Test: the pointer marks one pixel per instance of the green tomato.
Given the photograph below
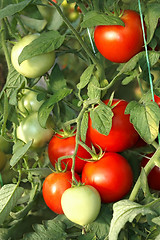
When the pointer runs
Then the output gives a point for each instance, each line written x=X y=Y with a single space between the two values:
x=30 y=129
x=5 y=146
x=81 y=204
x=2 y=160
x=46 y=12
x=28 y=102
x=35 y=66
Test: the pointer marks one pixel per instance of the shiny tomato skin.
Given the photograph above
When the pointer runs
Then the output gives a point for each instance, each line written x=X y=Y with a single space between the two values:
x=81 y=204
x=122 y=134
x=111 y=175
x=54 y=186
x=59 y=147
x=120 y=43
x=157 y=100
x=154 y=175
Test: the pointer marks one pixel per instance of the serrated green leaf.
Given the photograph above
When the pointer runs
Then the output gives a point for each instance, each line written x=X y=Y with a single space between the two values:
x=35 y=24
x=130 y=78
x=125 y=211
x=93 y=18
x=42 y=172
x=151 y=18
x=84 y=126
x=9 y=195
x=85 y=77
x=145 y=118
x=19 y=154
x=101 y=230
x=93 y=88
x=101 y=117
x=50 y=230
x=14 y=82
x=12 y=9
x=140 y=59
x=56 y=79
x=47 y=106
x=45 y=43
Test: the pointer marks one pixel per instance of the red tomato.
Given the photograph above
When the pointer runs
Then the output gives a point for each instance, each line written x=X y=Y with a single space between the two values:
x=157 y=100
x=154 y=175
x=118 y=43
x=59 y=147
x=122 y=135
x=54 y=186
x=111 y=175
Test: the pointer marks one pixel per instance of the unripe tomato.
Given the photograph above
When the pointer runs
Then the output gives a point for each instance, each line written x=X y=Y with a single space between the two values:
x=54 y=186
x=2 y=160
x=30 y=129
x=81 y=204
x=35 y=66
x=46 y=12
x=154 y=175
x=120 y=43
x=111 y=175
x=5 y=146
x=122 y=134
x=28 y=102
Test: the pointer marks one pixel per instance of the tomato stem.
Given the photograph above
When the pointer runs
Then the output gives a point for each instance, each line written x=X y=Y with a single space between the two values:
x=147 y=168
x=4 y=45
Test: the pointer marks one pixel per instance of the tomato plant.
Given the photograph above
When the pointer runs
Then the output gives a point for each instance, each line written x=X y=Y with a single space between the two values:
x=81 y=204
x=69 y=48
x=154 y=175
x=120 y=43
x=54 y=186
x=111 y=175
x=60 y=146
x=35 y=66
x=122 y=134
x=30 y=129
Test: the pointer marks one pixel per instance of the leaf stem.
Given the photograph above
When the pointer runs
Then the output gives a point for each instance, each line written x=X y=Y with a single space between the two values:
x=147 y=168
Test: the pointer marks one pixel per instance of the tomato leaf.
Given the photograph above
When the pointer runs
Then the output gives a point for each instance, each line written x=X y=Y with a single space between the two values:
x=16 y=157
x=101 y=117
x=140 y=58
x=52 y=229
x=14 y=82
x=145 y=118
x=9 y=195
x=151 y=19
x=56 y=79
x=35 y=24
x=12 y=9
x=48 y=105
x=93 y=18
x=84 y=126
x=45 y=43
x=96 y=227
x=85 y=77
x=93 y=88
x=125 y=211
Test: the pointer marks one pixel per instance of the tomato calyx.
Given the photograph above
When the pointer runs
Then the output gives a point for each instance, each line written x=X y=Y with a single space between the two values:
x=96 y=153
x=66 y=132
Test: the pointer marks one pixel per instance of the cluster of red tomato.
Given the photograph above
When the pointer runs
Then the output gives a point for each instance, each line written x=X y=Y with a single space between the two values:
x=111 y=175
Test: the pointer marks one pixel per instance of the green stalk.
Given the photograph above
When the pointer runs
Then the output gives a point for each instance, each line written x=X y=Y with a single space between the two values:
x=76 y=34
x=3 y=43
x=94 y=59
x=147 y=168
